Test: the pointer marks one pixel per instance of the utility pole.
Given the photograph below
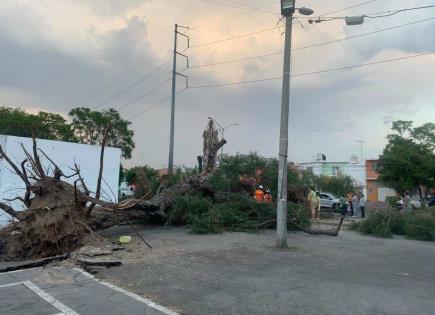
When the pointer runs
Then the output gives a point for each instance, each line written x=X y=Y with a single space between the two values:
x=361 y=142
x=288 y=8
x=281 y=224
x=174 y=85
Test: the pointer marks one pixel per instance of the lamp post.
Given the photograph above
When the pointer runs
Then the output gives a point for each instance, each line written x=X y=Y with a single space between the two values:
x=288 y=8
x=222 y=130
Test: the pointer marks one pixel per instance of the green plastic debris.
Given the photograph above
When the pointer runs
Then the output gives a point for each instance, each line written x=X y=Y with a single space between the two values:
x=125 y=239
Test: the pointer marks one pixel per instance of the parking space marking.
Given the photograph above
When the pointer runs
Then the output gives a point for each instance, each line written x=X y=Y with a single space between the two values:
x=150 y=303
x=65 y=310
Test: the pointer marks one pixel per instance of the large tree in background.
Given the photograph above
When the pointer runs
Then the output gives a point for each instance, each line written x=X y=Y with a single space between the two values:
x=408 y=160
x=16 y=122
x=88 y=126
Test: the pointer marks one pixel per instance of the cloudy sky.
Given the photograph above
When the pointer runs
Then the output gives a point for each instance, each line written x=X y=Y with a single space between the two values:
x=60 y=54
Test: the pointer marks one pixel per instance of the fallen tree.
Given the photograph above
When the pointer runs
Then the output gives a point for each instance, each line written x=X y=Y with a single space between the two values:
x=60 y=217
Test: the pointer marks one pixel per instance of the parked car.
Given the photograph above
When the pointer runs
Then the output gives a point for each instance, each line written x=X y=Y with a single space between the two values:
x=415 y=204
x=329 y=201
x=431 y=202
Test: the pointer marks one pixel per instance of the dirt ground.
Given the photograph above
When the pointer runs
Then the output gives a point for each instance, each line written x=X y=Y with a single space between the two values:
x=240 y=273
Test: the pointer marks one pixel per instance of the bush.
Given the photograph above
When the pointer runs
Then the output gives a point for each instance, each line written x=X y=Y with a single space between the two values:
x=236 y=213
x=418 y=225
x=377 y=225
x=187 y=208
x=392 y=201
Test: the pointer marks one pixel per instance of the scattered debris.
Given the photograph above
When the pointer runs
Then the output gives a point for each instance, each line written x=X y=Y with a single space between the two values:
x=93 y=251
x=34 y=263
x=125 y=239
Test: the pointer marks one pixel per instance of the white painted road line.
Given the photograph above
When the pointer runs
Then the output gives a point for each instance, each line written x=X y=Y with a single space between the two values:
x=45 y=296
x=150 y=303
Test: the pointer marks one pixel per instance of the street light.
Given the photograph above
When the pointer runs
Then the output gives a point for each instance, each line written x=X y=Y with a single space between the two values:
x=288 y=8
x=222 y=130
x=350 y=20
x=354 y=20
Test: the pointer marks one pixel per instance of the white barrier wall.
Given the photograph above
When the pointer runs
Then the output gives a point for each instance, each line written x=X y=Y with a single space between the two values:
x=64 y=154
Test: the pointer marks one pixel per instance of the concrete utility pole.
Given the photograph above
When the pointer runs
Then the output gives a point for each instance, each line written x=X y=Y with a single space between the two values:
x=174 y=85
x=288 y=8
x=361 y=142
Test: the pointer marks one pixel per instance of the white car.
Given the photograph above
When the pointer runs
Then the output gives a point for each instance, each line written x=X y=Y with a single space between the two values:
x=329 y=201
x=415 y=204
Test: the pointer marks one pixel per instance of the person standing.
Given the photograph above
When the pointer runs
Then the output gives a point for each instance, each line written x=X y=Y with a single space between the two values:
x=406 y=205
x=362 y=205
x=343 y=202
x=317 y=205
x=355 y=205
x=312 y=201
x=259 y=194
x=268 y=196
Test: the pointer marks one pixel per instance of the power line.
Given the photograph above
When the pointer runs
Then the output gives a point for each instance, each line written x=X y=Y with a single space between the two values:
x=154 y=105
x=314 y=72
x=311 y=46
x=347 y=8
x=235 y=37
x=399 y=11
x=369 y=15
x=195 y=27
x=238 y=7
x=118 y=78
x=132 y=85
x=145 y=94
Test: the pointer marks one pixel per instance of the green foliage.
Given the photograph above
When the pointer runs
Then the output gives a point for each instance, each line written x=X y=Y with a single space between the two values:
x=377 y=225
x=418 y=225
x=337 y=185
x=408 y=160
x=144 y=177
x=16 y=122
x=243 y=172
x=392 y=201
x=89 y=126
x=237 y=213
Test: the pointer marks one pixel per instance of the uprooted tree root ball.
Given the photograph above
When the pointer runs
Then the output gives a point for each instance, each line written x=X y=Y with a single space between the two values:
x=60 y=217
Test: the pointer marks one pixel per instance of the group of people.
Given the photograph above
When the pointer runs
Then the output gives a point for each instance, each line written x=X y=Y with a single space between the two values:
x=351 y=204
x=262 y=195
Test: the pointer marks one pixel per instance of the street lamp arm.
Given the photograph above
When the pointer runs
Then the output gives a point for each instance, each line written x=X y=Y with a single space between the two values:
x=230 y=125
x=211 y=118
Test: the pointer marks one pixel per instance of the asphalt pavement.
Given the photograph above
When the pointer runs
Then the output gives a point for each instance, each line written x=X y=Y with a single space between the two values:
x=57 y=290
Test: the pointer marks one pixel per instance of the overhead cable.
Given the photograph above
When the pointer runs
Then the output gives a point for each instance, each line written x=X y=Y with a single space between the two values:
x=239 y=7
x=155 y=105
x=314 y=72
x=310 y=46
x=235 y=37
x=145 y=94
x=132 y=85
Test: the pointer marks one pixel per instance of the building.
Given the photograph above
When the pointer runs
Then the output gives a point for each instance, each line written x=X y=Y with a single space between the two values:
x=375 y=191
x=65 y=154
x=321 y=167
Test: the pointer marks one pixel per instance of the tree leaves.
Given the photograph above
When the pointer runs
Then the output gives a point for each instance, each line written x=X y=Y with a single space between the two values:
x=408 y=160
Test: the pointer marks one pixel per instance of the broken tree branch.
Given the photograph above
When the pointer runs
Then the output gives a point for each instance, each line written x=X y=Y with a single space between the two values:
x=11 y=211
x=12 y=164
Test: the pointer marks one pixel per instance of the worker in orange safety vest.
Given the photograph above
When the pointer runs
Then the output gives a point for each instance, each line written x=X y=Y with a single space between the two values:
x=259 y=194
x=268 y=196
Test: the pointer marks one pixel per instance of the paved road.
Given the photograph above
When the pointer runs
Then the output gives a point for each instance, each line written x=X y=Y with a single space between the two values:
x=56 y=291
x=244 y=274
